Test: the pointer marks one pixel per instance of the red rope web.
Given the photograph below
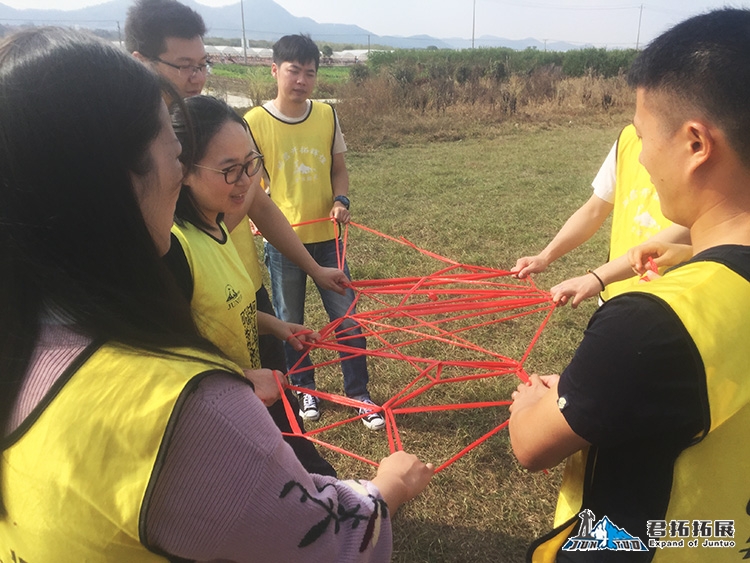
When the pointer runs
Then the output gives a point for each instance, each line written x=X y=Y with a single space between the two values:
x=402 y=317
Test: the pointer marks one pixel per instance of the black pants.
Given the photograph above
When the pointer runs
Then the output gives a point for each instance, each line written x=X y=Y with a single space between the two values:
x=272 y=357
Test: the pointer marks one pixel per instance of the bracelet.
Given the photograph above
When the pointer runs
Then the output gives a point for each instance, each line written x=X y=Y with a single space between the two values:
x=593 y=273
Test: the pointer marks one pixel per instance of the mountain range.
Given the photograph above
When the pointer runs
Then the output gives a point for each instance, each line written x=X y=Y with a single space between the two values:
x=264 y=20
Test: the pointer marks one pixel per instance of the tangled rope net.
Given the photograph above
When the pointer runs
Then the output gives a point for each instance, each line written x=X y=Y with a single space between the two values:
x=402 y=318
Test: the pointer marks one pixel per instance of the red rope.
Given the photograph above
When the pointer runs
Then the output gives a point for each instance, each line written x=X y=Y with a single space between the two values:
x=398 y=315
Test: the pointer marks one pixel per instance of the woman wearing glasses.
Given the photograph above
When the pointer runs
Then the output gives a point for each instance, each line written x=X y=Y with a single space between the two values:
x=126 y=435
x=222 y=181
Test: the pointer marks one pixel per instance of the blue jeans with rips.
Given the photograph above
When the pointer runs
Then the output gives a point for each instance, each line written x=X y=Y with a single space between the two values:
x=288 y=284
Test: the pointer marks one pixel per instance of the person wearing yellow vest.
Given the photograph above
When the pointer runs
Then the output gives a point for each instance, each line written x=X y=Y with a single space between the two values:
x=653 y=411
x=222 y=175
x=126 y=435
x=622 y=187
x=303 y=149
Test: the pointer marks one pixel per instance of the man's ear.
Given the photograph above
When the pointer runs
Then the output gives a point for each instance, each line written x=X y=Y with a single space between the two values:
x=274 y=70
x=701 y=140
x=140 y=57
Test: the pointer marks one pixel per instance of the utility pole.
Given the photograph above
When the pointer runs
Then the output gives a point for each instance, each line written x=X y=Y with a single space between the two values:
x=244 y=41
x=473 y=23
x=638 y=37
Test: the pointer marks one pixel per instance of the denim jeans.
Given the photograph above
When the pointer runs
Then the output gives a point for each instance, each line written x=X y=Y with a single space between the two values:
x=288 y=283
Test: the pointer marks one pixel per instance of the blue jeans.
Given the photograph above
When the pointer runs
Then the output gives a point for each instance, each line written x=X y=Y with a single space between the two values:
x=288 y=283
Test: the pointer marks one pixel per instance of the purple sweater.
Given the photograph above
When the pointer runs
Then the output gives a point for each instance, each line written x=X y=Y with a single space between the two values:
x=231 y=489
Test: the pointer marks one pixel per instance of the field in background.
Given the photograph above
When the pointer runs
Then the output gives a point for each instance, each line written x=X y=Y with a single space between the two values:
x=484 y=196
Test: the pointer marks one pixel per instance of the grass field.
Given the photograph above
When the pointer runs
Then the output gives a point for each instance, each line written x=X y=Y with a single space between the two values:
x=262 y=74
x=485 y=199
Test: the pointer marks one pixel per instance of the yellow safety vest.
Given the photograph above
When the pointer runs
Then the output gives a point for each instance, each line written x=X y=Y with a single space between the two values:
x=636 y=215
x=223 y=301
x=298 y=159
x=77 y=476
x=710 y=477
x=244 y=242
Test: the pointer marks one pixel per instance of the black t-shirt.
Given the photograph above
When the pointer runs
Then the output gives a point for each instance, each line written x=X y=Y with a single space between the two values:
x=636 y=390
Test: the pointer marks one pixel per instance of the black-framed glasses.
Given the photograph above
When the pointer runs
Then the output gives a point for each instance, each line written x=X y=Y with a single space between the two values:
x=233 y=174
x=191 y=69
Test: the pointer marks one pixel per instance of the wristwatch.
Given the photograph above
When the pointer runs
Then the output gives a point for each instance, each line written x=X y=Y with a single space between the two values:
x=343 y=200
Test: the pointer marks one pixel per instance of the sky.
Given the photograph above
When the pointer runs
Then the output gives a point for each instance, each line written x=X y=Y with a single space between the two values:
x=603 y=23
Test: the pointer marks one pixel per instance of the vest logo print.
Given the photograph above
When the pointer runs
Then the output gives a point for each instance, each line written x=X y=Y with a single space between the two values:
x=234 y=297
x=604 y=535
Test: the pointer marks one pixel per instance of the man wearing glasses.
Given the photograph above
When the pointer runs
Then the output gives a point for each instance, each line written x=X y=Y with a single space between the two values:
x=168 y=36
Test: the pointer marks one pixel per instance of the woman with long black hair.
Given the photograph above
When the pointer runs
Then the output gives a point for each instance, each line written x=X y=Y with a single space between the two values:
x=123 y=430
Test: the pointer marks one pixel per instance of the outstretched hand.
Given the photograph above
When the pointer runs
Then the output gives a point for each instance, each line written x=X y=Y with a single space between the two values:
x=299 y=336
x=401 y=477
x=332 y=279
x=529 y=265
x=575 y=290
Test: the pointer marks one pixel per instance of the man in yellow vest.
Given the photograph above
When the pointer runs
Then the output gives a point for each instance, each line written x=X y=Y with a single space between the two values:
x=653 y=412
x=303 y=148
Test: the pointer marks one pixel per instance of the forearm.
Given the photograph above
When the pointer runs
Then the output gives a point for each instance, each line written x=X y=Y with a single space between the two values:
x=621 y=268
x=675 y=234
x=269 y=324
x=615 y=270
x=276 y=229
x=579 y=228
x=339 y=176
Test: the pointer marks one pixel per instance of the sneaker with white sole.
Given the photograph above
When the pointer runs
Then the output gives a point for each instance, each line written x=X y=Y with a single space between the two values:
x=308 y=408
x=372 y=419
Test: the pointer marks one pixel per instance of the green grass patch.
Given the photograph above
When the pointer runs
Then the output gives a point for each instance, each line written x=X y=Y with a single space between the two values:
x=262 y=74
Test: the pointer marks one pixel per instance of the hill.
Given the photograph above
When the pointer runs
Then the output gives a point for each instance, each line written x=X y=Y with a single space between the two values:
x=264 y=20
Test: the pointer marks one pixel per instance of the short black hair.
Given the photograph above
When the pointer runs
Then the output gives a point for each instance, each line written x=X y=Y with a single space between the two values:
x=703 y=63
x=150 y=22
x=296 y=48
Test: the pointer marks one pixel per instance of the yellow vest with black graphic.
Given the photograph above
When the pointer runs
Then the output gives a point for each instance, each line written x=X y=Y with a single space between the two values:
x=244 y=241
x=298 y=159
x=710 y=477
x=223 y=301
x=76 y=481
x=636 y=215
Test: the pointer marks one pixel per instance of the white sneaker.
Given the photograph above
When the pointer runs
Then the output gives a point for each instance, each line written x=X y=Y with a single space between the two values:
x=372 y=419
x=308 y=408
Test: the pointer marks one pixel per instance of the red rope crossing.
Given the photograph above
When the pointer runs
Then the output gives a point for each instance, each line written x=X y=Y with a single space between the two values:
x=401 y=317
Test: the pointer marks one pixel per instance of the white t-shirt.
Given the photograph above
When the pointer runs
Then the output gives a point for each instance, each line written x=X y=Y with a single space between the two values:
x=606 y=179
